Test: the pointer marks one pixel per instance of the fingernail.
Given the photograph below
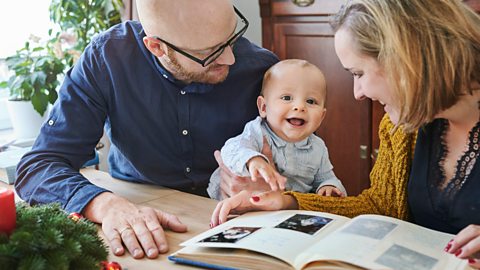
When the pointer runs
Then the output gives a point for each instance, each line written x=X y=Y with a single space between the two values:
x=255 y=198
x=118 y=250
x=162 y=248
x=447 y=248
x=472 y=261
x=458 y=252
x=137 y=253
x=151 y=252
x=211 y=225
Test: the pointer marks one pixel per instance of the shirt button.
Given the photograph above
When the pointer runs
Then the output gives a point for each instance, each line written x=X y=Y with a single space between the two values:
x=187 y=169
x=182 y=92
x=165 y=76
x=185 y=132
x=50 y=122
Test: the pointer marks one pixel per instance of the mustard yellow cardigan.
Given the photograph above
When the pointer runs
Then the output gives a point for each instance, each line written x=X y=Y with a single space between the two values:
x=387 y=194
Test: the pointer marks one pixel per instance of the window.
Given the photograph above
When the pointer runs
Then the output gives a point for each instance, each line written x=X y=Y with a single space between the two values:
x=19 y=20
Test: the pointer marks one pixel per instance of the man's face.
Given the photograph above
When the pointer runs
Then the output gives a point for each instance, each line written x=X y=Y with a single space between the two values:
x=204 y=44
x=185 y=69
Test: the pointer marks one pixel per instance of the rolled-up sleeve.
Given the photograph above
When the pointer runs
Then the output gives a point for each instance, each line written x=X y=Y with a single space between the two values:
x=50 y=171
x=238 y=150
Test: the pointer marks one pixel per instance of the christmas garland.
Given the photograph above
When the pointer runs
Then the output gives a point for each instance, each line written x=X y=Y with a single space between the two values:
x=46 y=238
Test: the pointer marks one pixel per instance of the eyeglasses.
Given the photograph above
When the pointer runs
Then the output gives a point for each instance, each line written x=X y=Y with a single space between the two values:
x=213 y=56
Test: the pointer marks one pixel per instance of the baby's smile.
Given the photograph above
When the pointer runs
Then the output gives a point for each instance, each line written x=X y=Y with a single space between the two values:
x=296 y=121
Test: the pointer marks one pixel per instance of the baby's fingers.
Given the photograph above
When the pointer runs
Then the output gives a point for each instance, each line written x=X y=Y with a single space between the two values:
x=269 y=178
x=281 y=180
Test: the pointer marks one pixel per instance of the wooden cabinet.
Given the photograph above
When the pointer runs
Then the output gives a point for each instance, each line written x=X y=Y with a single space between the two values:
x=350 y=126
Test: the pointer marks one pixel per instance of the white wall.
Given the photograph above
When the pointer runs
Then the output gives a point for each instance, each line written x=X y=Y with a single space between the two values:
x=251 y=10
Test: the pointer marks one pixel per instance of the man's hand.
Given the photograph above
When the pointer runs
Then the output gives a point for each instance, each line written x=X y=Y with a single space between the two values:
x=232 y=184
x=140 y=228
x=259 y=168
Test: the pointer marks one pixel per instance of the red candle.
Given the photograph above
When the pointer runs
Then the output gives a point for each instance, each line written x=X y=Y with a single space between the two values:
x=8 y=216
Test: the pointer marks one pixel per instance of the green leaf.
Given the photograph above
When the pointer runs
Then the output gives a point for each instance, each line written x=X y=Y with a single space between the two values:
x=40 y=102
x=52 y=97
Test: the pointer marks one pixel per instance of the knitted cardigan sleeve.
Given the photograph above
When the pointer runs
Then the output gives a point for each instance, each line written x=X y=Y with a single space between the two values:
x=388 y=181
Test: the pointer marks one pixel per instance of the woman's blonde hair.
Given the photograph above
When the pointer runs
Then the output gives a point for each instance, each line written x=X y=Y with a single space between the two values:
x=429 y=49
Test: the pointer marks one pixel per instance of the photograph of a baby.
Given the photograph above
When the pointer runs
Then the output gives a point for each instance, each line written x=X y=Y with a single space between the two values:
x=304 y=223
x=230 y=235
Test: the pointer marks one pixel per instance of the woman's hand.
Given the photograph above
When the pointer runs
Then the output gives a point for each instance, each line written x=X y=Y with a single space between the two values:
x=245 y=201
x=466 y=245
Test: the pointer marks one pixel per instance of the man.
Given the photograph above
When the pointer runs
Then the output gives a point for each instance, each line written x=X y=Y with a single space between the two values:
x=169 y=91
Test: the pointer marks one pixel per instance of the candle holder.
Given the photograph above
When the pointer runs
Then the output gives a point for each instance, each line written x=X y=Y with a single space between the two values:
x=8 y=217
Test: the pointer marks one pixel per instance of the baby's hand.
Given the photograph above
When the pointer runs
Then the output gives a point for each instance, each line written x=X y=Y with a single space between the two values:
x=260 y=168
x=330 y=191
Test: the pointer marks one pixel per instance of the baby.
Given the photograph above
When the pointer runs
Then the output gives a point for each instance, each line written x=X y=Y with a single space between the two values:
x=291 y=107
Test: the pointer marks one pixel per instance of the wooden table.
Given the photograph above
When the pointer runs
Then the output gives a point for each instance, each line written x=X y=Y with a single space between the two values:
x=194 y=211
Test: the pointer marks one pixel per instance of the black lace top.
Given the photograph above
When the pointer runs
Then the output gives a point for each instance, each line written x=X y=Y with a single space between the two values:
x=437 y=203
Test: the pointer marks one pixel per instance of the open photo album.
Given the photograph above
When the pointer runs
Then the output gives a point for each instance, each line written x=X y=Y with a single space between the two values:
x=295 y=239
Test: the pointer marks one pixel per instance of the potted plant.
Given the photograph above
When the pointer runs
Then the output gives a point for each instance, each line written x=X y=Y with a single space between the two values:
x=32 y=86
x=37 y=68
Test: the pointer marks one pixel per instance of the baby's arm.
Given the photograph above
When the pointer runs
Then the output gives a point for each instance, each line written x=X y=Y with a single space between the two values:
x=330 y=191
x=239 y=150
x=325 y=181
x=259 y=168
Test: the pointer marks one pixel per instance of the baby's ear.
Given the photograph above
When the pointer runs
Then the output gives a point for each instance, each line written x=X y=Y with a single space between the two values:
x=324 y=112
x=262 y=106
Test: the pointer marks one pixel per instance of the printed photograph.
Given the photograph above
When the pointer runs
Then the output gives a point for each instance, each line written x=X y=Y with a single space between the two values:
x=371 y=228
x=304 y=223
x=402 y=258
x=230 y=235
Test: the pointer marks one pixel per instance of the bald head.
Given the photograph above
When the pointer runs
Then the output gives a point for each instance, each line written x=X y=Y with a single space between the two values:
x=190 y=24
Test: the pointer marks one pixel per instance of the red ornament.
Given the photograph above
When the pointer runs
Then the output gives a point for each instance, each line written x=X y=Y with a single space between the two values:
x=8 y=214
x=110 y=266
x=75 y=216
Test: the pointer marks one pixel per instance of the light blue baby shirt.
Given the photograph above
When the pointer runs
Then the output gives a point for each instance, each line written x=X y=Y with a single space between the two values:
x=305 y=164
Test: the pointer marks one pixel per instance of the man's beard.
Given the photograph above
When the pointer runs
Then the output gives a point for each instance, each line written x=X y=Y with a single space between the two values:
x=205 y=76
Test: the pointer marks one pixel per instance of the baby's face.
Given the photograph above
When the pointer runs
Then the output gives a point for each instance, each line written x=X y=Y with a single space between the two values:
x=293 y=102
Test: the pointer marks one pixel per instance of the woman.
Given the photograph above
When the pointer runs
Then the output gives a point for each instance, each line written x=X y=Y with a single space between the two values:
x=421 y=60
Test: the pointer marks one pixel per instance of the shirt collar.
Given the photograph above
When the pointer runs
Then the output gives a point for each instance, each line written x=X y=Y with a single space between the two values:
x=280 y=143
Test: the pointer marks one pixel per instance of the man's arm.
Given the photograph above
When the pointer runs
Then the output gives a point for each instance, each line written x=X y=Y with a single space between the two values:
x=50 y=172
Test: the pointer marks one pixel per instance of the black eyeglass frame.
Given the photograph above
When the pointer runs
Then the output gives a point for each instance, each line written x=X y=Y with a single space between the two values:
x=209 y=59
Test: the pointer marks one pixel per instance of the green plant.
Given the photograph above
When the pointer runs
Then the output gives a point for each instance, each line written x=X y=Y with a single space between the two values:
x=37 y=69
x=35 y=78
x=84 y=18
x=46 y=238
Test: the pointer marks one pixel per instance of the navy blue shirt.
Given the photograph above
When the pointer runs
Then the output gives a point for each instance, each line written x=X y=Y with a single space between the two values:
x=162 y=131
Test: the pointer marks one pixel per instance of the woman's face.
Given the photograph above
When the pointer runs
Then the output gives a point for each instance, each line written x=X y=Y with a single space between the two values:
x=368 y=78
